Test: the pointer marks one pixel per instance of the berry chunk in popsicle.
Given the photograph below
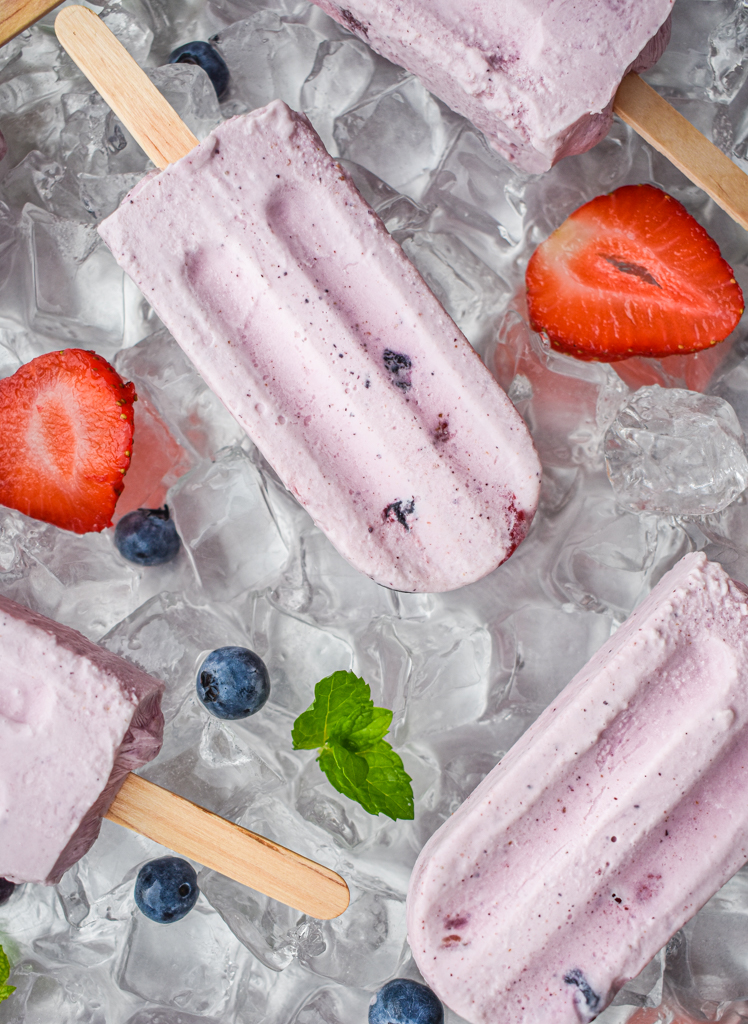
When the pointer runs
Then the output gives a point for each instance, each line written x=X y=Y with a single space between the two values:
x=616 y=816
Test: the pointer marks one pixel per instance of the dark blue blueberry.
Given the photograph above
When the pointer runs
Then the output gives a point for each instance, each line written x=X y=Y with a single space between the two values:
x=147 y=536
x=399 y=366
x=398 y=512
x=233 y=682
x=166 y=889
x=207 y=58
x=586 y=992
x=6 y=890
x=405 y=1002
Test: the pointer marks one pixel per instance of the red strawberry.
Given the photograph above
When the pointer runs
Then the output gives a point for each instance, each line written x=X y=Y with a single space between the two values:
x=631 y=273
x=66 y=425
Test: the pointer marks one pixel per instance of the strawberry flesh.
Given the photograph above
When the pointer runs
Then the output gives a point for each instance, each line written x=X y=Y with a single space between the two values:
x=631 y=274
x=66 y=431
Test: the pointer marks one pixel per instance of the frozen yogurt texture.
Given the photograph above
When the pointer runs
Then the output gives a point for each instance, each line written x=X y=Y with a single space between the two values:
x=537 y=76
x=317 y=333
x=74 y=720
x=616 y=816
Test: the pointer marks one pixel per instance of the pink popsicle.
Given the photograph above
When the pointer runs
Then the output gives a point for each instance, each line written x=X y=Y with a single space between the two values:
x=613 y=819
x=317 y=333
x=537 y=76
x=74 y=720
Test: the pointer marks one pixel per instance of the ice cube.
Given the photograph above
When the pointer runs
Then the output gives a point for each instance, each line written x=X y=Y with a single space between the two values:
x=74 y=287
x=226 y=526
x=274 y=933
x=190 y=965
x=341 y=73
x=567 y=404
x=676 y=451
x=400 y=136
x=268 y=58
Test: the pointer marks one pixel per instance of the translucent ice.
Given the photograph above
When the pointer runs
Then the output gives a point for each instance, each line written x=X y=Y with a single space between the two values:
x=400 y=135
x=676 y=451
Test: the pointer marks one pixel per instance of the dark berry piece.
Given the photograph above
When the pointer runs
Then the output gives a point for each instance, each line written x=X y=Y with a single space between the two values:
x=207 y=58
x=6 y=890
x=402 y=1001
x=591 y=999
x=399 y=366
x=147 y=536
x=398 y=512
x=166 y=889
x=233 y=682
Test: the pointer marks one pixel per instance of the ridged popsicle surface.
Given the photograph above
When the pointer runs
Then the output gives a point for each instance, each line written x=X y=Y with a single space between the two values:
x=317 y=333
x=615 y=817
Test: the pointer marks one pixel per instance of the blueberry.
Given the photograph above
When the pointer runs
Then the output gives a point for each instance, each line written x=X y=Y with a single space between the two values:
x=405 y=1002
x=398 y=365
x=233 y=682
x=147 y=536
x=208 y=59
x=166 y=889
x=591 y=998
x=398 y=512
x=6 y=890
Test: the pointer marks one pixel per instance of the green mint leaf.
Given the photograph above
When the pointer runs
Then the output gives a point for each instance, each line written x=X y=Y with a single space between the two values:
x=389 y=783
x=4 y=966
x=354 y=755
x=5 y=990
x=367 y=729
x=337 y=699
x=347 y=772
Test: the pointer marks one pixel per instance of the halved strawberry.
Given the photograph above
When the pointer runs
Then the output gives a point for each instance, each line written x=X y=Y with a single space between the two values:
x=66 y=426
x=631 y=273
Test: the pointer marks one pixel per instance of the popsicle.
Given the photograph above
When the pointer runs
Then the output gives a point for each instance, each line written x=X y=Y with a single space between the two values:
x=538 y=77
x=317 y=333
x=75 y=720
x=542 y=78
x=609 y=823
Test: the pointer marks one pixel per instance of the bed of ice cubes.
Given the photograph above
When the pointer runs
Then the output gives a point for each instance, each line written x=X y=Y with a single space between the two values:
x=465 y=673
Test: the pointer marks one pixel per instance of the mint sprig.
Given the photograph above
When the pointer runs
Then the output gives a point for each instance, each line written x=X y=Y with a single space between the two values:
x=354 y=755
x=5 y=990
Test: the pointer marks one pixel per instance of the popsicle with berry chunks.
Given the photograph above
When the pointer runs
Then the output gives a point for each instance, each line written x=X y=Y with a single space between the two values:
x=543 y=78
x=536 y=76
x=75 y=721
x=317 y=333
x=616 y=816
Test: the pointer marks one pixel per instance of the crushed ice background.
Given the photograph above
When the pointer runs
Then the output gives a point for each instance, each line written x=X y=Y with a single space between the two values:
x=465 y=673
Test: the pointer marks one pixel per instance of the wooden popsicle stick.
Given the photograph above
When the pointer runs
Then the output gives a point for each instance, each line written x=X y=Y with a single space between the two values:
x=671 y=134
x=18 y=15
x=228 y=848
x=127 y=89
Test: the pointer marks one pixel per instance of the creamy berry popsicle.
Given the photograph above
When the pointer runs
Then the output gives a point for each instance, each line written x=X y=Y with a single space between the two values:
x=317 y=333
x=543 y=78
x=538 y=77
x=616 y=816
x=75 y=721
